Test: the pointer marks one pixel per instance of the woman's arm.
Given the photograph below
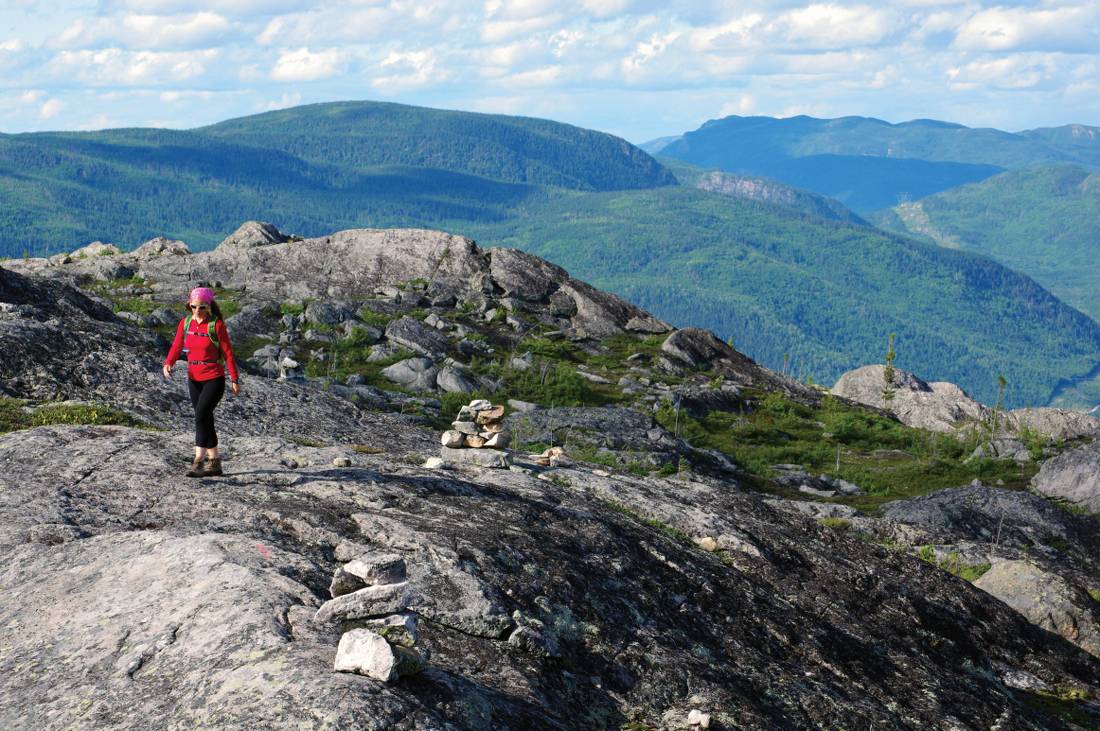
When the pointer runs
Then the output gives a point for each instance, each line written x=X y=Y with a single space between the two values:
x=227 y=349
x=177 y=347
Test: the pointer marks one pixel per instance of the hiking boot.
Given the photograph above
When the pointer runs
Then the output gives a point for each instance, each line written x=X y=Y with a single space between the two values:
x=196 y=468
x=213 y=467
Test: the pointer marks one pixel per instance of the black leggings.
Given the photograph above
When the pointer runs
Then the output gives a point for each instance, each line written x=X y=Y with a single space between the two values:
x=205 y=395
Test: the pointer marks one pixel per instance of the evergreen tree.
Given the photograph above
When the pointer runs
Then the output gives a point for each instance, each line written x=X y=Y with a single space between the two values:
x=888 y=373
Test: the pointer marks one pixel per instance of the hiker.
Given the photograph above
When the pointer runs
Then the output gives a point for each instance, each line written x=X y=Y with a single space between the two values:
x=202 y=337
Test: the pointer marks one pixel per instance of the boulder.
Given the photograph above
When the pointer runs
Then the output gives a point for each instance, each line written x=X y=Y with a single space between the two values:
x=251 y=321
x=647 y=325
x=479 y=457
x=328 y=313
x=96 y=248
x=453 y=438
x=465 y=427
x=377 y=568
x=1073 y=475
x=1003 y=448
x=698 y=348
x=455 y=380
x=1053 y=423
x=413 y=334
x=367 y=653
x=371 y=601
x=415 y=373
x=499 y=440
x=251 y=234
x=166 y=316
x=1046 y=599
x=939 y=406
x=161 y=246
x=524 y=276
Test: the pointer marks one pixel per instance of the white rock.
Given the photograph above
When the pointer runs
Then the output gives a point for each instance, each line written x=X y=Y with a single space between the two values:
x=698 y=718
x=451 y=438
x=367 y=653
x=480 y=404
x=436 y=463
x=378 y=568
x=341 y=462
x=500 y=440
x=372 y=601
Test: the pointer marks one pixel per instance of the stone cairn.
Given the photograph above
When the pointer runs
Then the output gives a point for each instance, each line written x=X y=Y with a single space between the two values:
x=477 y=436
x=371 y=598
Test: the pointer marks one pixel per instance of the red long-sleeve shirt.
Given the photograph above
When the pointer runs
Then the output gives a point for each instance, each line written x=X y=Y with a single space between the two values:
x=199 y=347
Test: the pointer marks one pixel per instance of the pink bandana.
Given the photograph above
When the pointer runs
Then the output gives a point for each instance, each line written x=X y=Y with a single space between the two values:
x=204 y=295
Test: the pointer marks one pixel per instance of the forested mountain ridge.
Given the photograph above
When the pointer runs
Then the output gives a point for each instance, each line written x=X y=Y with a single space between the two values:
x=796 y=279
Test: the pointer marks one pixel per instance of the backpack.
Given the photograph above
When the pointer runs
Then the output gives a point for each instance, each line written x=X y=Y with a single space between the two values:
x=210 y=331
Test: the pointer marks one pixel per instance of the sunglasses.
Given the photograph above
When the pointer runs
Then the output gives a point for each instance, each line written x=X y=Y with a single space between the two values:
x=198 y=307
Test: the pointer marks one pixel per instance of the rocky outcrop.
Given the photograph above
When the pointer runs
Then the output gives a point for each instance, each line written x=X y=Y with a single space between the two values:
x=1038 y=558
x=206 y=590
x=1073 y=476
x=1046 y=599
x=944 y=407
x=939 y=406
x=251 y=234
x=769 y=191
x=573 y=592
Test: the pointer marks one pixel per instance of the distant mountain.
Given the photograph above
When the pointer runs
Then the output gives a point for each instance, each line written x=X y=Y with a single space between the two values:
x=1081 y=140
x=312 y=168
x=764 y=190
x=513 y=149
x=783 y=272
x=867 y=163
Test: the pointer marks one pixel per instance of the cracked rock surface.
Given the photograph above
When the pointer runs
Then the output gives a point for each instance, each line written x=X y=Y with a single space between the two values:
x=133 y=592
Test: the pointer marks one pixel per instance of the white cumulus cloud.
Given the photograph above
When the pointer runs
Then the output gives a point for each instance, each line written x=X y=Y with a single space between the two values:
x=304 y=65
x=1067 y=28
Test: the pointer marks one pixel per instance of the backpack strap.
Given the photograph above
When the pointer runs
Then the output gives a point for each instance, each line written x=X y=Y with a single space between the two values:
x=211 y=331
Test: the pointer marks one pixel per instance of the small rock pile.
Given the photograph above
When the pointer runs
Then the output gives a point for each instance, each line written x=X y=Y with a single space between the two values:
x=371 y=597
x=477 y=435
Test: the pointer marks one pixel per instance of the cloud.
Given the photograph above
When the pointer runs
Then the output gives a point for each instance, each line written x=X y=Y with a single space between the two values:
x=643 y=67
x=1069 y=29
x=285 y=101
x=303 y=65
x=832 y=26
x=1011 y=73
x=50 y=108
x=235 y=8
x=401 y=71
x=200 y=30
x=114 y=66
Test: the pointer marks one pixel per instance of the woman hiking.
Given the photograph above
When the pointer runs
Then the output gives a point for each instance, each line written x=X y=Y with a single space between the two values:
x=202 y=336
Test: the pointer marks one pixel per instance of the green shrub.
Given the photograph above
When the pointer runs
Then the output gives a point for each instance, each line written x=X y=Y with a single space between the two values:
x=372 y=317
x=841 y=524
x=13 y=415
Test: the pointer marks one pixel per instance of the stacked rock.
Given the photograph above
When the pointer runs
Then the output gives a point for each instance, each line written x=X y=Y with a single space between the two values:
x=478 y=435
x=371 y=597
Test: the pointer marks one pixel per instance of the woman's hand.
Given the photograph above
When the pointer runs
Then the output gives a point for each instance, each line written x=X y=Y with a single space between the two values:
x=167 y=371
x=235 y=387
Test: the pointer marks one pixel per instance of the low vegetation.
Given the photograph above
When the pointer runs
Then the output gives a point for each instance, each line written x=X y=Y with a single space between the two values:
x=16 y=414
x=884 y=457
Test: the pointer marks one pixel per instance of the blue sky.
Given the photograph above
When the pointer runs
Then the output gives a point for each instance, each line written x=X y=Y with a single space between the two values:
x=637 y=68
